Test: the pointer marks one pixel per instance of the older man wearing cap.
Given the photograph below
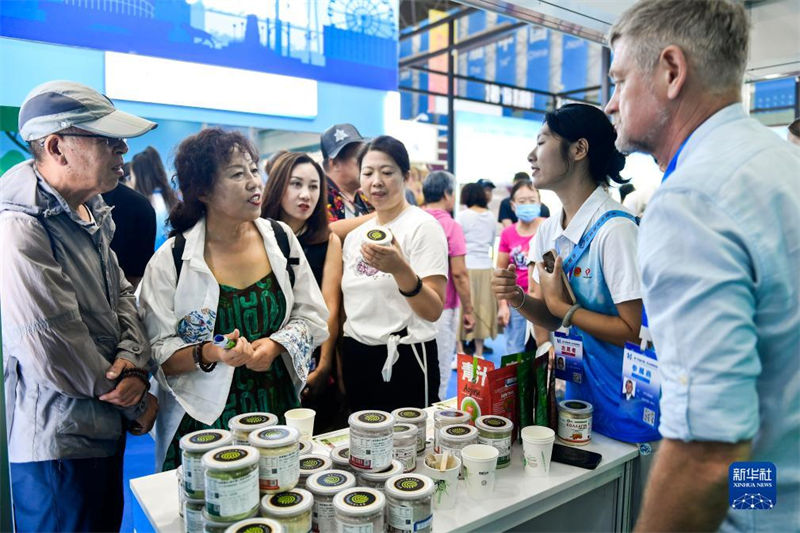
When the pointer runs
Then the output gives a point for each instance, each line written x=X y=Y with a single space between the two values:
x=340 y=145
x=74 y=352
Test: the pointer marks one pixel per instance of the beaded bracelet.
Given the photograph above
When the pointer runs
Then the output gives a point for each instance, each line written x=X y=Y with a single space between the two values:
x=197 y=355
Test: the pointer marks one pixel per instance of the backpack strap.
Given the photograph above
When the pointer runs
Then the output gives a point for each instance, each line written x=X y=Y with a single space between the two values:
x=177 y=254
x=283 y=244
x=280 y=235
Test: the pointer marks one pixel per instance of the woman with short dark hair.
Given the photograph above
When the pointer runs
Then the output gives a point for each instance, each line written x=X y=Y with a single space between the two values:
x=594 y=239
x=224 y=272
x=392 y=293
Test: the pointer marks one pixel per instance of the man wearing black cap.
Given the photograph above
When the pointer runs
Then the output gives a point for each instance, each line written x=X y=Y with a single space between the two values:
x=74 y=351
x=340 y=145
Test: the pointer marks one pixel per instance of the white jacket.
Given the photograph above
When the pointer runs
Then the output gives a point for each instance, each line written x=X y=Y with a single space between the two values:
x=165 y=307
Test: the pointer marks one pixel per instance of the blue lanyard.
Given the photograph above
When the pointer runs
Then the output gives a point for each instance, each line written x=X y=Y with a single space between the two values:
x=586 y=240
x=674 y=161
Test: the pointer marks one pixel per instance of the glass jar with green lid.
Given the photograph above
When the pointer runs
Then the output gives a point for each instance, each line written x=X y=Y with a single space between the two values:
x=311 y=464
x=242 y=425
x=444 y=418
x=291 y=508
x=279 y=466
x=405 y=446
x=377 y=480
x=256 y=525
x=371 y=440
x=496 y=431
x=231 y=483
x=408 y=503
x=359 y=509
x=417 y=417
x=193 y=446
x=324 y=486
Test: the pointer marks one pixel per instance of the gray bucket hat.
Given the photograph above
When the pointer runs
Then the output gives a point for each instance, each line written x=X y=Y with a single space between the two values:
x=58 y=105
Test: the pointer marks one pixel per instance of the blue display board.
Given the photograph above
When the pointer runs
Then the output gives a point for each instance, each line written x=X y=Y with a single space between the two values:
x=774 y=94
x=575 y=57
x=476 y=58
x=538 y=72
x=352 y=42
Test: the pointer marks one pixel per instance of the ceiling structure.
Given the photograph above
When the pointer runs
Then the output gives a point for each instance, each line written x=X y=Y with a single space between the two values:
x=775 y=38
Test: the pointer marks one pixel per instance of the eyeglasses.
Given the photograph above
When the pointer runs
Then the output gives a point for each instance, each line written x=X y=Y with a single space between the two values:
x=110 y=141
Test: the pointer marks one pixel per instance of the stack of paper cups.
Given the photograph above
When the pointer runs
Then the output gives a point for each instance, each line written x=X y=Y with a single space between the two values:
x=378 y=235
x=537 y=448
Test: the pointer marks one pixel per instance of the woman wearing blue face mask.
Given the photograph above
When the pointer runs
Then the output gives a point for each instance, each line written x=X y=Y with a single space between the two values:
x=514 y=246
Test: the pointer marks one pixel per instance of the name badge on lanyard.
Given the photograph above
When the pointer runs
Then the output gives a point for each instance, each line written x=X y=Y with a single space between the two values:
x=569 y=356
x=641 y=384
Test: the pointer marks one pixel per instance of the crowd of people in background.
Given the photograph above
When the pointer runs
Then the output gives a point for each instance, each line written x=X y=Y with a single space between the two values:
x=316 y=314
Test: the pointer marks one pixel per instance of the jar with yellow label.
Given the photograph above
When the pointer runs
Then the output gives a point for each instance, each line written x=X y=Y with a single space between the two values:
x=445 y=418
x=324 y=486
x=416 y=417
x=193 y=516
x=311 y=464
x=193 y=446
x=212 y=526
x=496 y=431
x=279 y=466
x=256 y=525
x=340 y=456
x=408 y=503
x=231 y=483
x=377 y=480
x=371 y=440
x=359 y=509
x=291 y=508
x=242 y=425
x=453 y=438
x=405 y=446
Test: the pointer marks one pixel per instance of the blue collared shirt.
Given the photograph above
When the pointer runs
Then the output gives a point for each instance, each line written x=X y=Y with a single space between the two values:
x=719 y=249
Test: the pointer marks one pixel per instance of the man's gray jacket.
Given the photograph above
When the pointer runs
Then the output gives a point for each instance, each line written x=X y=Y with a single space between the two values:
x=67 y=313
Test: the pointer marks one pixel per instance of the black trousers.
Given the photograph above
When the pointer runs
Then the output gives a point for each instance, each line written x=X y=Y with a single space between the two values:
x=362 y=365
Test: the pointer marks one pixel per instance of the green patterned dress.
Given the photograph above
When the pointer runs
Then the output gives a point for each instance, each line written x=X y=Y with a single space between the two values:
x=257 y=311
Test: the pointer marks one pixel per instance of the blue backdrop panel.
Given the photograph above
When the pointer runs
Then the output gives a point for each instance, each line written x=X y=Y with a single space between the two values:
x=538 y=72
x=574 y=63
x=352 y=42
x=476 y=58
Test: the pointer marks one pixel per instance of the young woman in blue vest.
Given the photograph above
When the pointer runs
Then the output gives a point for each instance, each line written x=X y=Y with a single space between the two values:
x=575 y=157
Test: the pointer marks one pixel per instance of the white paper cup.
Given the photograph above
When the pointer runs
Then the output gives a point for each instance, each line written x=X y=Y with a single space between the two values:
x=301 y=419
x=444 y=496
x=537 y=448
x=480 y=464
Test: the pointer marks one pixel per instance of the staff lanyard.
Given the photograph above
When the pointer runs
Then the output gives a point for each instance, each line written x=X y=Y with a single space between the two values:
x=588 y=237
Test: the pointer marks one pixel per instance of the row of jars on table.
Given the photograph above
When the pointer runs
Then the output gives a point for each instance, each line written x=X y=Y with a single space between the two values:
x=226 y=477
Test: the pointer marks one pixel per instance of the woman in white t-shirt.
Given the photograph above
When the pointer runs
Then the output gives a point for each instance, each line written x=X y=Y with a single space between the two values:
x=480 y=230
x=392 y=294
